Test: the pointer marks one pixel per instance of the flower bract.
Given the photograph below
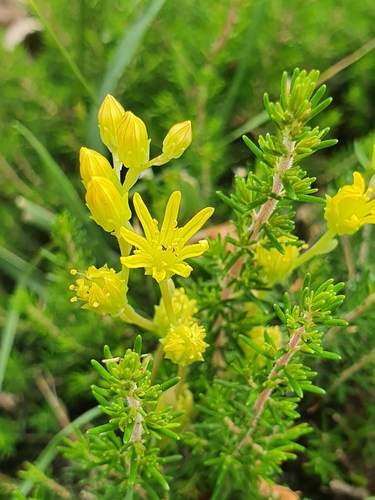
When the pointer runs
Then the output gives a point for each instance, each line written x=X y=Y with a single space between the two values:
x=162 y=252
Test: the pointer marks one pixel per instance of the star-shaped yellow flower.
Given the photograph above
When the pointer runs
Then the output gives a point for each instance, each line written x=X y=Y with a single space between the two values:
x=162 y=252
x=350 y=208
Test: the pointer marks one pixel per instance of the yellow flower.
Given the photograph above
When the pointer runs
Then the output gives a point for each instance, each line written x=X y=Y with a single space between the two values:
x=183 y=308
x=184 y=344
x=93 y=164
x=162 y=253
x=133 y=142
x=110 y=115
x=276 y=266
x=103 y=290
x=108 y=208
x=350 y=208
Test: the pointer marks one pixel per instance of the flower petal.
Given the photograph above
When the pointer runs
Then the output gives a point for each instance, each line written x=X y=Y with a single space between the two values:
x=144 y=216
x=194 y=225
x=171 y=212
x=136 y=240
x=193 y=250
x=135 y=261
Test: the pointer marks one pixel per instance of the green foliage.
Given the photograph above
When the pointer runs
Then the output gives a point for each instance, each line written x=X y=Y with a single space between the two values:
x=144 y=53
x=126 y=395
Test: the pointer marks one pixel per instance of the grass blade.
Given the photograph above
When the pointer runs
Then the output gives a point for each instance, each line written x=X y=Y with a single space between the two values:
x=76 y=71
x=247 y=127
x=19 y=269
x=49 y=452
x=7 y=339
x=122 y=57
x=66 y=191
x=255 y=24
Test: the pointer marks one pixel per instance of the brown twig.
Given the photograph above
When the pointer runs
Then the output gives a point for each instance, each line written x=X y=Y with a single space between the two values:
x=49 y=392
x=259 y=405
x=267 y=209
x=352 y=370
x=347 y=61
x=352 y=315
x=220 y=42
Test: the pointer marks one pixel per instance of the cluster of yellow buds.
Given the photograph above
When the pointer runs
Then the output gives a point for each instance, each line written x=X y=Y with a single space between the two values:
x=276 y=266
x=183 y=339
x=126 y=137
x=103 y=290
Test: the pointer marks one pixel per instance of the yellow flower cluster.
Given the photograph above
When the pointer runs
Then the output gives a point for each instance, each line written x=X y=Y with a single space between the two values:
x=350 y=208
x=184 y=343
x=161 y=251
x=103 y=290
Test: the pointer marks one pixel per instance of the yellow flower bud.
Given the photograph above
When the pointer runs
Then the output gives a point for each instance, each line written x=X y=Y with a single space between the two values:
x=177 y=140
x=133 y=142
x=350 y=208
x=276 y=266
x=93 y=164
x=110 y=115
x=103 y=290
x=107 y=207
x=184 y=343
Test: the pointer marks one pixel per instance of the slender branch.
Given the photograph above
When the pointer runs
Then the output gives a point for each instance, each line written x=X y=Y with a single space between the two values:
x=352 y=370
x=293 y=348
x=131 y=316
x=228 y=28
x=137 y=432
x=351 y=315
x=167 y=299
x=283 y=164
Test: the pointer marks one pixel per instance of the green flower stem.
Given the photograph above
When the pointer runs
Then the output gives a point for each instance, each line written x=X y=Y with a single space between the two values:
x=167 y=299
x=130 y=179
x=315 y=249
x=117 y=165
x=125 y=248
x=158 y=358
x=131 y=316
x=182 y=373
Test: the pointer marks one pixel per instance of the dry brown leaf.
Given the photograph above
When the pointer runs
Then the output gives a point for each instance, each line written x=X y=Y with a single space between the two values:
x=276 y=492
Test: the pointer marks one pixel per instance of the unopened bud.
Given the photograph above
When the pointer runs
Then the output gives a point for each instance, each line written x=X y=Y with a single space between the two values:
x=133 y=142
x=177 y=140
x=107 y=207
x=110 y=115
x=93 y=164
